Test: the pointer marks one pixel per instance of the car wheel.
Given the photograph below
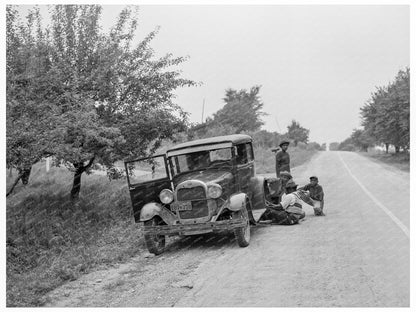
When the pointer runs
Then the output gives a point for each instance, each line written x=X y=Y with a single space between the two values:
x=242 y=234
x=155 y=243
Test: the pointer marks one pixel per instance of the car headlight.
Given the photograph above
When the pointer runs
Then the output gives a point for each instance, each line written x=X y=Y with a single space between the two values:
x=166 y=196
x=214 y=191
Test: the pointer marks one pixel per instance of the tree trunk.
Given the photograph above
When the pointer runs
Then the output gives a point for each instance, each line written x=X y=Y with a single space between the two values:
x=14 y=185
x=387 y=148
x=397 y=147
x=24 y=174
x=79 y=170
x=76 y=186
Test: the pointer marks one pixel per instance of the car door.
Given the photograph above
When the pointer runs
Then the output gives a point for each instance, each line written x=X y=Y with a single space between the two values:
x=146 y=178
x=245 y=166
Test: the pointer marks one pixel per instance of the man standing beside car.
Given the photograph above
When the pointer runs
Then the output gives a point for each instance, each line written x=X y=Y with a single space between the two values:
x=282 y=158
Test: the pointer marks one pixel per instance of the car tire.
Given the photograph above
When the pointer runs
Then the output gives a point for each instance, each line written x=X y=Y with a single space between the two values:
x=155 y=243
x=242 y=234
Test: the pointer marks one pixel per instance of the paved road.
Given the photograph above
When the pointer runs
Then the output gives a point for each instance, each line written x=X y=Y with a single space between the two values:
x=358 y=255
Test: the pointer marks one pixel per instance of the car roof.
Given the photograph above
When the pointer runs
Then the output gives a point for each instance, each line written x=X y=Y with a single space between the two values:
x=233 y=138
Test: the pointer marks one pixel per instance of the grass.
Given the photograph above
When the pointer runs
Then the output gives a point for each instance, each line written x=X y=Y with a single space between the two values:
x=265 y=158
x=51 y=240
x=400 y=160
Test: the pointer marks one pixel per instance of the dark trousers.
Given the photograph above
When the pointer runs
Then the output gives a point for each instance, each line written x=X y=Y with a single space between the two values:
x=282 y=217
x=318 y=207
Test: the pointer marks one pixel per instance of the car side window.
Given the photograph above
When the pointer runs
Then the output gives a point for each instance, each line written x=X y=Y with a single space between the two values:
x=241 y=155
x=250 y=155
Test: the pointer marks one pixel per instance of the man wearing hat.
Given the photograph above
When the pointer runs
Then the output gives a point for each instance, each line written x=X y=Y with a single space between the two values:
x=277 y=187
x=316 y=192
x=282 y=158
x=289 y=210
x=285 y=177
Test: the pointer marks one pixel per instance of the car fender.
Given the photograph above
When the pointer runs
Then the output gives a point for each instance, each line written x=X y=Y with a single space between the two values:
x=240 y=201
x=237 y=201
x=155 y=209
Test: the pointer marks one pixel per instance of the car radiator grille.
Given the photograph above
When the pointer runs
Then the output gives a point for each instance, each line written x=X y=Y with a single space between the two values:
x=199 y=204
x=192 y=193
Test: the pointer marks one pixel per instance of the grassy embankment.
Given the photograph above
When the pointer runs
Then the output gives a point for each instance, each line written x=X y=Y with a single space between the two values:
x=50 y=240
x=400 y=160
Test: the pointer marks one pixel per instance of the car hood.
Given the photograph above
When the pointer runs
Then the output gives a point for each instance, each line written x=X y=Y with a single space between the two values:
x=214 y=176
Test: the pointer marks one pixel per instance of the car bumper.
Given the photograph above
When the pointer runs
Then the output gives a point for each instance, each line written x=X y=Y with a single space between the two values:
x=192 y=229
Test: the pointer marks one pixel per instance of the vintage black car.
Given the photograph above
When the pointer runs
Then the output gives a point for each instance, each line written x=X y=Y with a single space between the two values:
x=202 y=186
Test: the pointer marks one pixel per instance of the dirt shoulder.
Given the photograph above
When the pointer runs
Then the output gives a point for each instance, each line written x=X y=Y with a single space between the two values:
x=146 y=280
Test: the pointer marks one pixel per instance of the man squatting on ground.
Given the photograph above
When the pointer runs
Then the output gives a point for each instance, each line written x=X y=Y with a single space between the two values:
x=282 y=159
x=316 y=192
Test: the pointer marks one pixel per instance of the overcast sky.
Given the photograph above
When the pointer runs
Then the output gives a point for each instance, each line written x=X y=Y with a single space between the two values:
x=316 y=64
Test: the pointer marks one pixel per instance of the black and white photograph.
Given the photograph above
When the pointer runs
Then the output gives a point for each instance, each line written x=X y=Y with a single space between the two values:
x=207 y=155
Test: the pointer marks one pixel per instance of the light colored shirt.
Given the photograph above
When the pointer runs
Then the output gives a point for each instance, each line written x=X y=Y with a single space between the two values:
x=292 y=203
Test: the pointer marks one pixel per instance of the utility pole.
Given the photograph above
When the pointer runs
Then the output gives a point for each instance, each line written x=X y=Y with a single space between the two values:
x=203 y=107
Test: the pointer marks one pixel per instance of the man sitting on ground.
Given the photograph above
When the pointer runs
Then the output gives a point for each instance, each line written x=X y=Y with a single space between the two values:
x=289 y=210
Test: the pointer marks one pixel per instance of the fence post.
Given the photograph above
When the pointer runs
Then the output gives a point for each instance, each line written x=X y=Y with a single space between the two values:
x=48 y=165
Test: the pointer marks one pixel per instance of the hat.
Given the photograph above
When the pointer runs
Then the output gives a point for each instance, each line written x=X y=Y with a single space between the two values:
x=291 y=183
x=284 y=142
x=286 y=174
x=313 y=178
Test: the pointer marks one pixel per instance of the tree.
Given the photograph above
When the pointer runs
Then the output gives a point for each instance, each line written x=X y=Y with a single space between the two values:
x=265 y=138
x=386 y=116
x=30 y=125
x=296 y=133
x=242 y=110
x=108 y=100
x=361 y=139
x=333 y=146
x=73 y=50
x=400 y=110
x=347 y=145
x=314 y=146
x=131 y=89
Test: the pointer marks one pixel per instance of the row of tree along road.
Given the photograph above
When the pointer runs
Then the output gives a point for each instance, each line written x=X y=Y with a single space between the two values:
x=83 y=96
x=385 y=118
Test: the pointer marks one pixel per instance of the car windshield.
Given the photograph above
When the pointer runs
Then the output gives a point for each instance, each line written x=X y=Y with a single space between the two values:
x=201 y=160
x=146 y=170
